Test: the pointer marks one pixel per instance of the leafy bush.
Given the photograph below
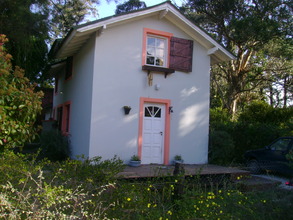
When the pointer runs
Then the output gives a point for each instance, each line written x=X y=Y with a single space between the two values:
x=40 y=197
x=219 y=115
x=19 y=103
x=14 y=166
x=257 y=126
x=46 y=190
x=261 y=112
x=88 y=172
x=221 y=147
x=54 y=146
x=77 y=190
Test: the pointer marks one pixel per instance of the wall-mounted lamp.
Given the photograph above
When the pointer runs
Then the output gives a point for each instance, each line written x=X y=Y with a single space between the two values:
x=171 y=109
x=157 y=86
x=126 y=109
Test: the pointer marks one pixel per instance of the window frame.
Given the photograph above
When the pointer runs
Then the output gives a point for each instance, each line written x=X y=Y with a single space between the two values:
x=157 y=34
x=156 y=48
x=62 y=116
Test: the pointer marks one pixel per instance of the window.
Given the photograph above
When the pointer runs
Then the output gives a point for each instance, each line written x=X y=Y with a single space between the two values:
x=67 y=117
x=156 y=51
x=281 y=144
x=63 y=117
x=163 y=50
x=59 y=118
x=56 y=85
x=156 y=48
x=152 y=111
x=69 y=64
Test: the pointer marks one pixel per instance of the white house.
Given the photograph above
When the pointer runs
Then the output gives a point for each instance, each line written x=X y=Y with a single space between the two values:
x=153 y=60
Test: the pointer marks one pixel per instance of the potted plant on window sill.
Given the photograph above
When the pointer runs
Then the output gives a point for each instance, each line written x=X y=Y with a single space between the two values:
x=135 y=161
x=178 y=159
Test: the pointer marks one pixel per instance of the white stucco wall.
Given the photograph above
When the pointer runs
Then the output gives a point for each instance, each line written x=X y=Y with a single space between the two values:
x=78 y=90
x=118 y=80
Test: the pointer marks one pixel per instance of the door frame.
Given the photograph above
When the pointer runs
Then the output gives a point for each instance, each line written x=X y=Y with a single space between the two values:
x=166 y=146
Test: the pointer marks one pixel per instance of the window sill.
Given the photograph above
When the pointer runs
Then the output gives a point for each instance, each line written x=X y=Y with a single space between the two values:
x=158 y=69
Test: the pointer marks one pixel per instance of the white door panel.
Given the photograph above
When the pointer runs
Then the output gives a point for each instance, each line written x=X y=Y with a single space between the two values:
x=153 y=133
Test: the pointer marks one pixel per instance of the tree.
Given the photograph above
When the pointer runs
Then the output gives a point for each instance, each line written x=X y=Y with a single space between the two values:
x=25 y=23
x=244 y=27
x=66 y=14
x=130 y=5
x=19 y=103
x=31 y=25
x=278 y=66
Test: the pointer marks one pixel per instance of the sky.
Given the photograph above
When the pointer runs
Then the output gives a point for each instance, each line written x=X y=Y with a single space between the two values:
x=107 y=9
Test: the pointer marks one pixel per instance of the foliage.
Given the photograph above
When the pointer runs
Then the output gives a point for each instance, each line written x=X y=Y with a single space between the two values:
x=30 y=192
x=128 y=6
x=66 y=14
x=258 y=125
x=221 y=143
x=135 y=158
x=36 y=192
x=27 y=30
x=31 y=25
x=276 y=60
x=245 y=28
x=261 y=112
x=19 y=103
x=88 y=172
x=177 y=157
x=219 y=115
x=54 y=146
x=13 y=167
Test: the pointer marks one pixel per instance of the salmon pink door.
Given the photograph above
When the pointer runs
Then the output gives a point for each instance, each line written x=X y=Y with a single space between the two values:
x=153 y=133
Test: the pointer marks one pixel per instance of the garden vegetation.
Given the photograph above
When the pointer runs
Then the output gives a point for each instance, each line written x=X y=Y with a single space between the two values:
x=49 y=185
x=19 y=103
x=92 y=189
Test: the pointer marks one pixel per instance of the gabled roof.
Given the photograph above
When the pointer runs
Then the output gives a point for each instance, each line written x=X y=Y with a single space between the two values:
x=78 y=35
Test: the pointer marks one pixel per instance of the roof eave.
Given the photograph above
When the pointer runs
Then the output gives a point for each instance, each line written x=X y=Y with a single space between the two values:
x=78 y=35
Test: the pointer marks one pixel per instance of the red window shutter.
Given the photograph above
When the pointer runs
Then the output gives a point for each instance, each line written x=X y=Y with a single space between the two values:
x=181 y=54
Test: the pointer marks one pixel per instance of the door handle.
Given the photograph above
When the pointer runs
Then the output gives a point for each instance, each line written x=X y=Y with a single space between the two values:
x=161 y=133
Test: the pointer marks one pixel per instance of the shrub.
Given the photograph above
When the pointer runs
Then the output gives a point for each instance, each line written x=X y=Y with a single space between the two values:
x=46 y=190
x=14 y=166
x=88 y=172
x=261 y=112
x=54 y=146
x=61 y=190
x=221 y=148
x=219 y=115
x=258 y=125
x=39 y=199
x=19 y=103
